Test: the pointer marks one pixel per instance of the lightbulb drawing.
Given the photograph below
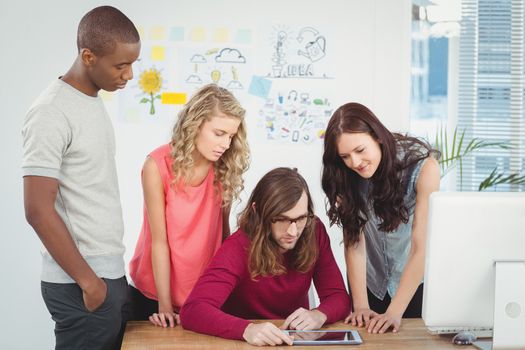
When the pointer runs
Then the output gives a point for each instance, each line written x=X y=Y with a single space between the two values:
x=215 y=75
x=280 y=41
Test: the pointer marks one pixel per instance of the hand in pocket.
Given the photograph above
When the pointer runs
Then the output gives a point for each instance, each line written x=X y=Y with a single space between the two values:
x=95 y=296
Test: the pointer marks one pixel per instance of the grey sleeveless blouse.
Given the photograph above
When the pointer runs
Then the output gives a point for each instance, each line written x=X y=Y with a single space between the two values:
x=387 y=252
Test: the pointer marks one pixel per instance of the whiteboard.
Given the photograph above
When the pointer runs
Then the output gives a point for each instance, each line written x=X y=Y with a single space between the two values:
x=273 y=56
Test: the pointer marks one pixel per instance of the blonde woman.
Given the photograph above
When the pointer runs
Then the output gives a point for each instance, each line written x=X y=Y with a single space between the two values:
x=188 y=187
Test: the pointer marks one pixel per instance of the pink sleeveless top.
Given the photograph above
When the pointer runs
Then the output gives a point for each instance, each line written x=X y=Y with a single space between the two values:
x=194 y=230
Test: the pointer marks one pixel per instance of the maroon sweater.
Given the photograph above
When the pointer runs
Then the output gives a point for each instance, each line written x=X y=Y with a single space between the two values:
x=225 y=296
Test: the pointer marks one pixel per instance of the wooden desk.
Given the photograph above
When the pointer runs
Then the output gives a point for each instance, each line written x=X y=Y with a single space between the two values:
x=413 y=335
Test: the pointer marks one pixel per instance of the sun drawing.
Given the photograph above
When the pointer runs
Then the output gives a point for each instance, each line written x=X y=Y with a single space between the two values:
x=150 y=82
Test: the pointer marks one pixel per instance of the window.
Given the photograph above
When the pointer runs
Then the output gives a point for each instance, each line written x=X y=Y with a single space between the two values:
x=491 y=87
x=468 y=72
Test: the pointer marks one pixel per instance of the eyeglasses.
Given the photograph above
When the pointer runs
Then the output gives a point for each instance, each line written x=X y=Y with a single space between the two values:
x=282 y=223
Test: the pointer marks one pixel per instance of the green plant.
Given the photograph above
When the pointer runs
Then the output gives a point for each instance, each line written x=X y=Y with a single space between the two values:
x=496 y=178
x=453 y=153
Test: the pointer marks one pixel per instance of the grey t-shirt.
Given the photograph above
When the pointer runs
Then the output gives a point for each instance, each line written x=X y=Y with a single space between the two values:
x=68 y=135
x=387 y=252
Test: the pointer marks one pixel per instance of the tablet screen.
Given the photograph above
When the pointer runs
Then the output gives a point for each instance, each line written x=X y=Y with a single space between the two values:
x=325 y=337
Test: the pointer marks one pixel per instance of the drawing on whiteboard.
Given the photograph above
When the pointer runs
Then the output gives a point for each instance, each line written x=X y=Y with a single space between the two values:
x=234 y=83
x=298 y=56
x=198 y=59
x=223 y=66
x=194 y=77
x=150 y=82
x=228 y=55
x=171 y=67
x=215 y=75
x=314 y=44
x=280 y=42
x=295 y=117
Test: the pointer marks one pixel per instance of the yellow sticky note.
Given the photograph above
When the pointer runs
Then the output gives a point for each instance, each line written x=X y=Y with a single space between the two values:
x=198 y=34
x=158 y=33
x=158 y=53
x=173 y=98
x=221 y=35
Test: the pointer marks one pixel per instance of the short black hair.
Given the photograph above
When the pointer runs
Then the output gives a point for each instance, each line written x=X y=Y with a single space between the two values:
x=102 y=28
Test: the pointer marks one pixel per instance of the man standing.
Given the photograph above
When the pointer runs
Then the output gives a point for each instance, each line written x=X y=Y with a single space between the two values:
x=71 y=193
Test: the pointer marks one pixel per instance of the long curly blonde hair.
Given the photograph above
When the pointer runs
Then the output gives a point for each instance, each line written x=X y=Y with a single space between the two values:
x=234 y=161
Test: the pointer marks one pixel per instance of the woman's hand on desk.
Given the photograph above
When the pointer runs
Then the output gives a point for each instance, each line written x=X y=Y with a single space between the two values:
x=360 y=317
x=265 y=334
x=165 y=318
x=304 y=320
x=382 y=322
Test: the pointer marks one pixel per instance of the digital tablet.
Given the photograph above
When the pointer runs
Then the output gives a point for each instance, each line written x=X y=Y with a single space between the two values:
x=325 y=337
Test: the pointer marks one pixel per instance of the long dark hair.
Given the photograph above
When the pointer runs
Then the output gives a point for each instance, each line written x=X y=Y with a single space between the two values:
x=277 y=192
x=346 y=204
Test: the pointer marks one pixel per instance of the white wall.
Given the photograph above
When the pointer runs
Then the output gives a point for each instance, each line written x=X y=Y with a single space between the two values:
x=38 y=45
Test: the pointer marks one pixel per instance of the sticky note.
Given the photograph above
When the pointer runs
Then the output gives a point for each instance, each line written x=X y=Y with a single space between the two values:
x=173 y=98
x=243 y=36
x=260 y=86
x=221 y=35
x=177 y=34
x=158 y=53
x=198 y=34
x=158 y=33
